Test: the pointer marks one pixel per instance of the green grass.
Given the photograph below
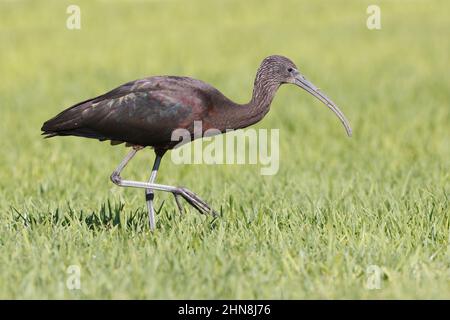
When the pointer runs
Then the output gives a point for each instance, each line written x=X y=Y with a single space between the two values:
x=336 y=207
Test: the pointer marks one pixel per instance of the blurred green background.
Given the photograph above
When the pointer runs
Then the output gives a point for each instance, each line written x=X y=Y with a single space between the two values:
x=336 y=207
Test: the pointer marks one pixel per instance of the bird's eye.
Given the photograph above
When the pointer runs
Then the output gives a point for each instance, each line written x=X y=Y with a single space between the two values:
x=290 y=69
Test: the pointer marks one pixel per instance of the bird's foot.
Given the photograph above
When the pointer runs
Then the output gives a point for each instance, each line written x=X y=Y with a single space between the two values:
x=177 y=201
x=194 y=201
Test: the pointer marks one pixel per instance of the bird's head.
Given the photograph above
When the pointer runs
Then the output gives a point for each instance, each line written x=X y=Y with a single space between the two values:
x=282 y=70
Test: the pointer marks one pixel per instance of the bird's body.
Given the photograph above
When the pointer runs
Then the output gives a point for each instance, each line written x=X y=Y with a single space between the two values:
x=146 y=112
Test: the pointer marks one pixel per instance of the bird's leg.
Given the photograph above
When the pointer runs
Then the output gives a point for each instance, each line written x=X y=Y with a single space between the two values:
x=115 y=176
x=189 y=196
x=149 y=195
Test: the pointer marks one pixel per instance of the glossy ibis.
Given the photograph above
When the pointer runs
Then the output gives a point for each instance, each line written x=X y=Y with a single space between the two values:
x=145 y=112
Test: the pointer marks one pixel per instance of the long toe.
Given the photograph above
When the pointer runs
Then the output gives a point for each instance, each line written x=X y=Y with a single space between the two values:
x=197 y=202
x=177 y=201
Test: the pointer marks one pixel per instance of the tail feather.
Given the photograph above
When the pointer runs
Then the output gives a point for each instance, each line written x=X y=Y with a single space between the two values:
x=66 y=122
x=49 y=134
x=70 y=122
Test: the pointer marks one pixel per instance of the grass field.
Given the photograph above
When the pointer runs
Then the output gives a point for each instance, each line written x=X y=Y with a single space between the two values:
x=338 y=208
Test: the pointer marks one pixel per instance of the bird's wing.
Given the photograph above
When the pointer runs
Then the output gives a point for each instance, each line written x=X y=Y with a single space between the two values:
x=142 y=112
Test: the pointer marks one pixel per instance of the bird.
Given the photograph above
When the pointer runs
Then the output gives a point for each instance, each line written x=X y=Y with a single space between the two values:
x=144 y=113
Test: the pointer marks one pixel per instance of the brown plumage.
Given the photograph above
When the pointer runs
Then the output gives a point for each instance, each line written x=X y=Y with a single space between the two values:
x=145 y=113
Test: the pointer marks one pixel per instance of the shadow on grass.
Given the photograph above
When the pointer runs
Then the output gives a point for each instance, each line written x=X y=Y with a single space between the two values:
x=109 y=215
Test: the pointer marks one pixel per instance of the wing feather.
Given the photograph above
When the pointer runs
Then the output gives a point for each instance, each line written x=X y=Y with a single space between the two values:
x=143 y=112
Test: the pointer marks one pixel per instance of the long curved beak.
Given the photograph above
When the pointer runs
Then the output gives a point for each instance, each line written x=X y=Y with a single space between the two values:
x=301 y=81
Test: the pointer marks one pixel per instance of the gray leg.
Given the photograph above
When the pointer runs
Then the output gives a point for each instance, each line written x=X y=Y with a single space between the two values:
x=149 y=195
x=115 y=176
x=189 y=196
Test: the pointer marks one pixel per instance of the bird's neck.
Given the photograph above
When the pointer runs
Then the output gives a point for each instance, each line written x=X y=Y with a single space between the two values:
x=264 y=90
